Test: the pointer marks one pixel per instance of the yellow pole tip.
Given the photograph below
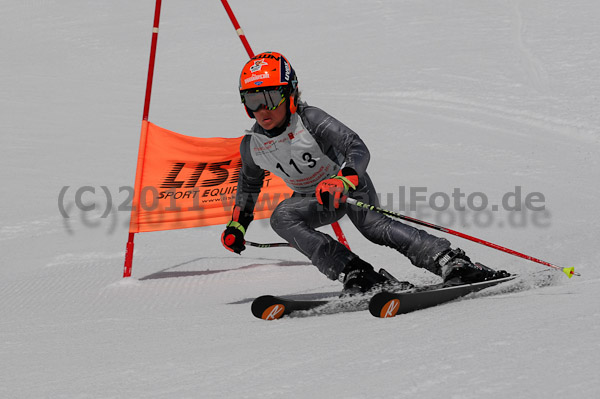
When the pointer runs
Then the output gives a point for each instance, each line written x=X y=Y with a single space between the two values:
x=569 y=271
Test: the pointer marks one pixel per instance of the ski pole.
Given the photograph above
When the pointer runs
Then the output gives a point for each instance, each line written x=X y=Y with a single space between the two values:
x=569 y=271
x=267 y=245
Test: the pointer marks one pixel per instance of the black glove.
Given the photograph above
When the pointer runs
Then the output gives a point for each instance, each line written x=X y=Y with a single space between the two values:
x=233 y=236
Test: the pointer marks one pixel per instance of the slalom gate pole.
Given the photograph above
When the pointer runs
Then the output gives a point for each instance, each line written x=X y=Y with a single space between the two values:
x=237 y=28
x=335 y=225
x=129 y=247
x=569 y=271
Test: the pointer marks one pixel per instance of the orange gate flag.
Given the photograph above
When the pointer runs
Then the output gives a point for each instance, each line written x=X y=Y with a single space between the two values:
x=184 y=181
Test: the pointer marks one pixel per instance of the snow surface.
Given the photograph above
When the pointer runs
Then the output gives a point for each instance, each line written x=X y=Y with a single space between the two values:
x=481 y=96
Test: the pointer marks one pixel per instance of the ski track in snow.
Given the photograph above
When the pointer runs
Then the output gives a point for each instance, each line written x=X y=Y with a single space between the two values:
x=537 y=75
x=485 y=115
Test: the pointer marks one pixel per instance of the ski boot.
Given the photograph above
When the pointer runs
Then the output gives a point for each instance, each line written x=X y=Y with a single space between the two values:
x=393 y=284
x=457 y=269
x=359 y=277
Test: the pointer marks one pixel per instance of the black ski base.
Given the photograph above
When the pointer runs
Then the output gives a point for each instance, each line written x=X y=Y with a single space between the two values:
x=390 y=304
x=269 y=307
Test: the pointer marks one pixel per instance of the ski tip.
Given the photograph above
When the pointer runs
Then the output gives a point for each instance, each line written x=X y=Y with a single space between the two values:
x=570 y=271
x=273 y=312
x=390 y=308
x=267 y=308
x=384 y=305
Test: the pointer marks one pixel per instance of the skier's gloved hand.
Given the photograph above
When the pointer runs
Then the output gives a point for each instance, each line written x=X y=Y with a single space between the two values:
x=330 y=191
x=233 y=236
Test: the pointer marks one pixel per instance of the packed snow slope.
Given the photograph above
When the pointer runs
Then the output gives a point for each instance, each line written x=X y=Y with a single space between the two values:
x=488 y=98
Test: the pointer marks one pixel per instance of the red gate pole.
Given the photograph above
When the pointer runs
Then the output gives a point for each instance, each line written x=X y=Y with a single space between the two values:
x=129 y=247
x=237 y=28
x=152 y=59
x=336 y=226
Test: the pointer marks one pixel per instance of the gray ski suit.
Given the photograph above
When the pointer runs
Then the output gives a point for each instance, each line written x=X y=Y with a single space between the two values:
x=313 y=147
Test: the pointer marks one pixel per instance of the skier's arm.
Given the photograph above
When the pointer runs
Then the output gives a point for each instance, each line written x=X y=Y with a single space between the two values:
x=249 y=186
x=250 y=181
x=338 y=141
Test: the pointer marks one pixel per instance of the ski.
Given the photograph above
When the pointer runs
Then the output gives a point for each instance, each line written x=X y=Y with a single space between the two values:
x=270 y=307
x=389 y=304
x=381 y=304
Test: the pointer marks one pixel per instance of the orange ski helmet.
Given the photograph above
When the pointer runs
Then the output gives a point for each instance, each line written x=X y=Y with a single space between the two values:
x=269 y=70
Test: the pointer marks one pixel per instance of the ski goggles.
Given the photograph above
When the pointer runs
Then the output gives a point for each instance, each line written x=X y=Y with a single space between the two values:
x=270 y=98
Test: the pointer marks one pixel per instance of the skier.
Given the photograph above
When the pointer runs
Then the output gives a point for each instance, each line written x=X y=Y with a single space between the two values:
x=322 y=161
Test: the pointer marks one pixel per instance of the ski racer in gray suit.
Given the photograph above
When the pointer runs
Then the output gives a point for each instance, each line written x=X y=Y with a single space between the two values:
x=322 y=161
